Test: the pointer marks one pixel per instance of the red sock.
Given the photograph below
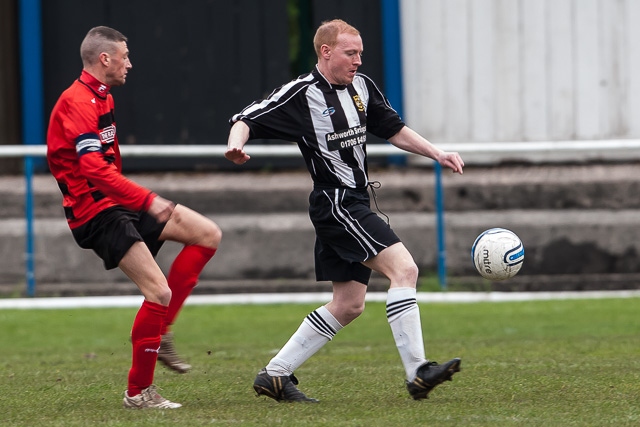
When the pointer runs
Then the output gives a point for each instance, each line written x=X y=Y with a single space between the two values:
x=183 y=277
x=145 y=340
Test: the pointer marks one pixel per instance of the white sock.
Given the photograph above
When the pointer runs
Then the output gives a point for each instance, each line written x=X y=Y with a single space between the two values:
x=317 y=329
x=403 y=315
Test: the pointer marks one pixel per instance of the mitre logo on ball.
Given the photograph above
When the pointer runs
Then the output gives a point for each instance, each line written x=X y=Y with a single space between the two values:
x=497 y=254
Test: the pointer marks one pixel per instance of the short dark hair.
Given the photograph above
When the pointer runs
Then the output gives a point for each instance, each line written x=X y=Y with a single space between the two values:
x=98 y=40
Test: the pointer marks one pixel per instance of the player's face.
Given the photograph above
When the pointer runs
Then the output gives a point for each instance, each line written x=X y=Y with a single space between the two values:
x=118 y=65
x=345 y=59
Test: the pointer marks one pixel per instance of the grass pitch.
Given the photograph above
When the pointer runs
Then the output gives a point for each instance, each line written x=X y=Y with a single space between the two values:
x=543 y=363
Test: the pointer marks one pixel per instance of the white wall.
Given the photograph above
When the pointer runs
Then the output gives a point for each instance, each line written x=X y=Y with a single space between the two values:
x=521 y=70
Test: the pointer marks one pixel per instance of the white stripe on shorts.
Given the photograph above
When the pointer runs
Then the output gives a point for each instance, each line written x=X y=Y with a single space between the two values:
x=352 y=226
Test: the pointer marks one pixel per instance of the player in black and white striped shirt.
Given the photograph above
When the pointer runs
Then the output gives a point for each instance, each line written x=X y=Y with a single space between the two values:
x=328 y=113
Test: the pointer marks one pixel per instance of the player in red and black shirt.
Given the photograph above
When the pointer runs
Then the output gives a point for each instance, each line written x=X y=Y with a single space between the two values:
x=123 y=222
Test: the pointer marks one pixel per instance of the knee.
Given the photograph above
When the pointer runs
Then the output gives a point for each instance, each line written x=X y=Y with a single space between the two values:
x=211 y=235
x=160 y=295
x=408 y=274
x=165 y=296
x=350 y=312
x=357 y=310
x=412 y=272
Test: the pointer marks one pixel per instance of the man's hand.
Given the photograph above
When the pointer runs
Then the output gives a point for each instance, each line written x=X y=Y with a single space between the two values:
x=237 y=156
x=161 y=209
x=238 y=136
x=451 y=160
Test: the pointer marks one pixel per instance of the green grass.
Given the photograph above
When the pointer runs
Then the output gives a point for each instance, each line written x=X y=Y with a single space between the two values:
x=545 y=363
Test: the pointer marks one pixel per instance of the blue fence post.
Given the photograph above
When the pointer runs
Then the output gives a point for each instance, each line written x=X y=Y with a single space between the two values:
x=32 y=113
x=392 y=54
x=442 y=246
x=30 y=275
x=392 y=62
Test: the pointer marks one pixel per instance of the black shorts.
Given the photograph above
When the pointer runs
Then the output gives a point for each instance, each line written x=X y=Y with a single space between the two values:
x=113 y=231
x=348 y=232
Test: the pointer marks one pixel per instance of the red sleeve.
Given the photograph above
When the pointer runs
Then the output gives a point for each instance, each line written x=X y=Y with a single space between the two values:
x=99 y=157
x=106 y=178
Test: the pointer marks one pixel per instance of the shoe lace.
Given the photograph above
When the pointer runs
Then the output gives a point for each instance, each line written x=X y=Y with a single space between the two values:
x=151 y=394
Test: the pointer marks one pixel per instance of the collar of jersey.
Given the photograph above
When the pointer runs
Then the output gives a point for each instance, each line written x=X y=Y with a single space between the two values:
x=324 y=80
x=100 y=89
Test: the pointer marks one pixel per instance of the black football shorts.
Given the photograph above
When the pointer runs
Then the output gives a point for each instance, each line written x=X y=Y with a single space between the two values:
x=348 y=232
x=113 y=231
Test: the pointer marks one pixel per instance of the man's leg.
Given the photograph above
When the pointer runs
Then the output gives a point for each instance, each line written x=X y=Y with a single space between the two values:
x=201 y=238
x=138 y=264
x=403 y=314
x=183 y=277
x=317 y=329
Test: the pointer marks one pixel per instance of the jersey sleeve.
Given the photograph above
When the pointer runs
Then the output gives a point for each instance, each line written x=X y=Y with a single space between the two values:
x=99 y=162
x=276 y=117
x=382 y=120
x=105 y=176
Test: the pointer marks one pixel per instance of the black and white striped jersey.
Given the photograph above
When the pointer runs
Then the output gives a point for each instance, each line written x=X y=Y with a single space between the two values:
x=328 y=122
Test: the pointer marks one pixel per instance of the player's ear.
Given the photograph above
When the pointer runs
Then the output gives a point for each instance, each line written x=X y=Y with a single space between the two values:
x=325 y=50
x=104 y=59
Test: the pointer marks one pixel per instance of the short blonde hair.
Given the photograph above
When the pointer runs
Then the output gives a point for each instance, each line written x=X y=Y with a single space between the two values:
x=327 y=33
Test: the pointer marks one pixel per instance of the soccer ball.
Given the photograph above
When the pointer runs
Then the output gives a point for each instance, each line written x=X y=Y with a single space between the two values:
x=497 y=254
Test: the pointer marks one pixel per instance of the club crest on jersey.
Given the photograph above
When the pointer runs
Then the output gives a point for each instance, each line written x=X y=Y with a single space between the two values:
x=108 y=134
x=329 y=111
x=358 y=102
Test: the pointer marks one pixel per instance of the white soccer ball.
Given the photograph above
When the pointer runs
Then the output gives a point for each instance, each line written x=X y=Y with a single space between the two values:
x=497 y=254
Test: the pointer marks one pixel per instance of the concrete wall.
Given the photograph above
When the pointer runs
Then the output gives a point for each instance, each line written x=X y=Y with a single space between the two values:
x=581 y=221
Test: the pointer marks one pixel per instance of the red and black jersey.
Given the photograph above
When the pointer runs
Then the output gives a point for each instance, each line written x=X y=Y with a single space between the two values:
x=83 y=154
